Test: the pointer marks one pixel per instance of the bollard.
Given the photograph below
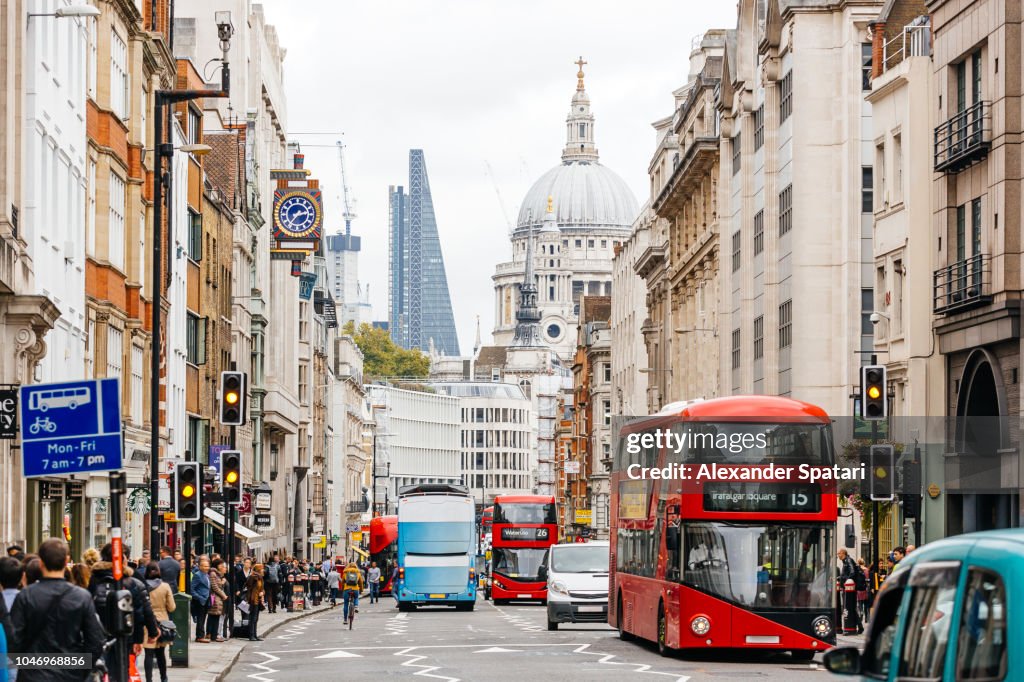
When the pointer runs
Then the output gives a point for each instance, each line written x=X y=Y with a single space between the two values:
x=182 y=618
x=849 y=603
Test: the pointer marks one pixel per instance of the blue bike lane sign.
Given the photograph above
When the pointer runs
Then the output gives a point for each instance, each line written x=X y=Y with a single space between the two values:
x=71 y=428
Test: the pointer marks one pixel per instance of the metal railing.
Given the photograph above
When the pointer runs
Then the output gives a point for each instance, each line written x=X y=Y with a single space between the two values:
x=913 y=41
x=357 y=507
x=964 y=138
x=964 y=284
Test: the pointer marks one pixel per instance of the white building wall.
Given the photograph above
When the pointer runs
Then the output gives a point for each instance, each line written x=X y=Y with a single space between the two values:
x=53 y=213
x=175 y=349
x=629 y=309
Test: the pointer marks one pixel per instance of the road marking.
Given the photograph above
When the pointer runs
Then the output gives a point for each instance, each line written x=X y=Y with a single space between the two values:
x=340 y=653
x=427 y=669
x=498 y=650
x=259 y=676
x=638 y=667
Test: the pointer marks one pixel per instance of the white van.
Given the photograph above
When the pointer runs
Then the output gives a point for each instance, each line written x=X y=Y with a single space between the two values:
x=577 y=576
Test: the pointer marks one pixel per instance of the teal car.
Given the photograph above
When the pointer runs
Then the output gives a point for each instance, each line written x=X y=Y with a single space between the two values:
x=942 y=614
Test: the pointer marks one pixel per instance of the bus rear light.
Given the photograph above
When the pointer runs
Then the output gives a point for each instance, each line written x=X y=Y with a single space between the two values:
x=401 y=573
x=472 y=575
x=700 y=625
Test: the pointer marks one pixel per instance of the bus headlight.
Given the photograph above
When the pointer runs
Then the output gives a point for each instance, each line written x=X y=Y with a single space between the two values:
x=558 y=587
x=822 y=626
x=700 y=625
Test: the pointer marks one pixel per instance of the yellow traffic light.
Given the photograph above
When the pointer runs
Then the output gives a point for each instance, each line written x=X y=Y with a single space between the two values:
x=231 y=398
x=874 y=392
x=187 y=491
x=231 y=477
x=880 y=472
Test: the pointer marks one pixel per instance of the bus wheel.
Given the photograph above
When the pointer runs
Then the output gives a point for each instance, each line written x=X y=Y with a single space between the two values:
x=621 y=622
x=500 y=602
x=805 y=655
x=466 y=606
x=663 y=647
x=406 y=606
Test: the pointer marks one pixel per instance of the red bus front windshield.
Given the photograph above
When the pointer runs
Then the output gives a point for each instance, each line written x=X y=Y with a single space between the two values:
x=525 y=513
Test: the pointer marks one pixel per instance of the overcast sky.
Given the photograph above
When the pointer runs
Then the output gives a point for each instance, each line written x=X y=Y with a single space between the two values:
x=473 y=82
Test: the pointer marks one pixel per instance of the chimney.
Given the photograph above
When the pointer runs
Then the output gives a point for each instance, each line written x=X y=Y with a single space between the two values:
x=877 y=48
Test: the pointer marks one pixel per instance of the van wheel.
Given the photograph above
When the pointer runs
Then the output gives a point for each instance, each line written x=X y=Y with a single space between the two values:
x=663 y=647
x=804 y=655
x=621 y=622
x=552 y=624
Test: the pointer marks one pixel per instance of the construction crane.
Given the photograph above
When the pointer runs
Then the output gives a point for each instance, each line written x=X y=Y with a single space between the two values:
x=349 y=202
x=501 y=202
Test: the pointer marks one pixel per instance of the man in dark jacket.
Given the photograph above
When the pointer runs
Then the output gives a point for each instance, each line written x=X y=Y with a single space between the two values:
x=54 y=617
x=850 y=571
x=271 y=583
x=145 y=621
x=170 y=568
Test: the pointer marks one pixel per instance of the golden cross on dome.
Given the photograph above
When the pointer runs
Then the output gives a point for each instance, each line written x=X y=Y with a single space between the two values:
x=551 y=204
x=579 y=75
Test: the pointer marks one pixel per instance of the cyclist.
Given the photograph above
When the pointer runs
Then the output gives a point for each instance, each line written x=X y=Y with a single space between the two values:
x=351 y=585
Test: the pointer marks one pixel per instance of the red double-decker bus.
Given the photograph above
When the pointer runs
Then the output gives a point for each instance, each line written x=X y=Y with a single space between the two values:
x=486 y=520
x=384 y=547
x=524 y=527
x=729 y=543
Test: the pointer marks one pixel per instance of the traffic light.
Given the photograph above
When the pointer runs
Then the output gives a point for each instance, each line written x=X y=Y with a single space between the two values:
x=232 y=398
x=910 y=492
x=187 y=486
x=883 y=473
x=874 y=399
x=231 y=476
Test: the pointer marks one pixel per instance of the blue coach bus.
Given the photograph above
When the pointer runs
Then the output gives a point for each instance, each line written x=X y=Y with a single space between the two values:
x=436 y=547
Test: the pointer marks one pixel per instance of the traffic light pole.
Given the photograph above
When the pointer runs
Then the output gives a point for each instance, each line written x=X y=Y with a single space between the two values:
x=874 y=503
x=229 y=535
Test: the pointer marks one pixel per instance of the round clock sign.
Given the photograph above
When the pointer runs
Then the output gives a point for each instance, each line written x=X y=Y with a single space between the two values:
x=297 y=215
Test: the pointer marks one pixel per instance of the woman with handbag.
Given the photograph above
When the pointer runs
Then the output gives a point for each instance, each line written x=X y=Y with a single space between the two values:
x=163 y=605
x=253 y=592
x=217 y=598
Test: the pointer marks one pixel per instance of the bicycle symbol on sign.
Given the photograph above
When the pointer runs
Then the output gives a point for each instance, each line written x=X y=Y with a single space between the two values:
x=42 y=424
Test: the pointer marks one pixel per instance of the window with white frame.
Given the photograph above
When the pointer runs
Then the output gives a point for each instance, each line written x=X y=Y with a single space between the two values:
x=94 y=60
x=303 y=382
x=136 y=386
x=90 y=350
x=118 y=76
x=115 y=227
x=606 y=409
x=897 y=168
x=607 y=372
x=115 y=352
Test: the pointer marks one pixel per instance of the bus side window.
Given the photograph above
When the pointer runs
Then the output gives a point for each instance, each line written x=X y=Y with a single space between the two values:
x=884 y=627
x=981 y=644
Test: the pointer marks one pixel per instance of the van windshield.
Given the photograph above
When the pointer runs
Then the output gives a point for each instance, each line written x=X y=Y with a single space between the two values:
x=581 y=558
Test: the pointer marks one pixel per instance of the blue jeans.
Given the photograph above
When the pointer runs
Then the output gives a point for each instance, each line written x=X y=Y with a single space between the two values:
x=374 y=592
x=353 y=596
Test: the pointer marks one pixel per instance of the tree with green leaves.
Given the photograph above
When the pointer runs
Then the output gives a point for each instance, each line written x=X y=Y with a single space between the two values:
x=382 y=357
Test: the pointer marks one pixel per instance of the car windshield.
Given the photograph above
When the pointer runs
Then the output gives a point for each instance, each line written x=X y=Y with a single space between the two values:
x=760 y=565
x=581 y=558
x=519 y=563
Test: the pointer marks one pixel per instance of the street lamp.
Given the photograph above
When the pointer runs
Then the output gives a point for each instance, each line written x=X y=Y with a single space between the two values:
x=714 y=332
x=165 y=150
x=70 y=12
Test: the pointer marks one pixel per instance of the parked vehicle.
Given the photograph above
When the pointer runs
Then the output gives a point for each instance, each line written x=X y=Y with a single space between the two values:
x=943 y=614
x=577 y=582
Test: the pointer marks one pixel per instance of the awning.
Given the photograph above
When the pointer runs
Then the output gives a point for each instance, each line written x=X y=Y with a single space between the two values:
x=365 y=555
x=218 y=520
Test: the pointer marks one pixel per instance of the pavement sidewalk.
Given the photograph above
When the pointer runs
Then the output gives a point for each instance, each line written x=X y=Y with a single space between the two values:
x=210 y=662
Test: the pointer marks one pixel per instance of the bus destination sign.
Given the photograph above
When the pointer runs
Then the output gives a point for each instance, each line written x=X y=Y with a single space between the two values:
x=520 y=534
x=762 y=497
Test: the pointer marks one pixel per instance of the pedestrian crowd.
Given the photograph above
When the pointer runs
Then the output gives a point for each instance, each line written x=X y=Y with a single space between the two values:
x=867 y=581
x=53 y=605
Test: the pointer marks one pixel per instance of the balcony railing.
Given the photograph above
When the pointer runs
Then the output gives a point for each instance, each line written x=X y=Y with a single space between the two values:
x=357 y=507
x=964 y=284
x=964 y=139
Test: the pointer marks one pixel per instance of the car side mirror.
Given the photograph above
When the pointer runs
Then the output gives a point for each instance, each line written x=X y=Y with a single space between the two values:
x=843 y=660
x=542 y=572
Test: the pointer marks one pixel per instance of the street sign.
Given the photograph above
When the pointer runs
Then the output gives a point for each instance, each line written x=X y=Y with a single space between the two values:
x=245 y=507
x=572 y=467
x=261 y=502
x=71 y=428
x=215 y=451
x=583 y=516
x=351 y=527
x=8 y=413
x=261 y=520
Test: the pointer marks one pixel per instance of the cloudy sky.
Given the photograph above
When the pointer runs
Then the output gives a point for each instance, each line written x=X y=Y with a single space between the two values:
x=474 y=83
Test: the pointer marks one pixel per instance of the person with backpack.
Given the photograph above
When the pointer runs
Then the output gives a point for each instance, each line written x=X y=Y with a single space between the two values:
x=101 y=581
x=271 y=583
x=162 y=599
x=850 y=571
x=352 y=585
x=53 y=617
